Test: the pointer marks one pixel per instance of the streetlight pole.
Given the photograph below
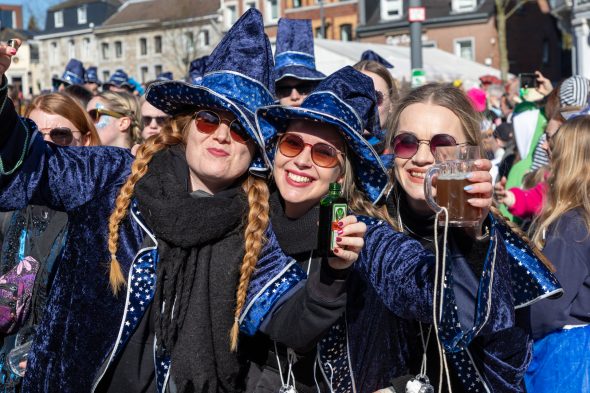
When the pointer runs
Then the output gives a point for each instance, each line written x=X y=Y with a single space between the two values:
x=416 y=15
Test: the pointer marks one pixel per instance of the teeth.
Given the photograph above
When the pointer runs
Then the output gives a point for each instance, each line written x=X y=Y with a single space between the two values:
x=418 y=174
x=298 y=179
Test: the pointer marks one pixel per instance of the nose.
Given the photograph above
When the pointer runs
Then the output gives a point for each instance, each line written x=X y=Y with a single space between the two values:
x=303 y=159
x=423 y=156
x=153 y=123
x=222 y=133
x=295 y=96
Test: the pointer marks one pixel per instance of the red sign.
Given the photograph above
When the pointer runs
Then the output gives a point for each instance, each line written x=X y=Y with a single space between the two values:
x=416 y=14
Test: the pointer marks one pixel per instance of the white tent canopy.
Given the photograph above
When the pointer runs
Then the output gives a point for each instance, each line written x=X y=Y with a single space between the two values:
x=439 y=65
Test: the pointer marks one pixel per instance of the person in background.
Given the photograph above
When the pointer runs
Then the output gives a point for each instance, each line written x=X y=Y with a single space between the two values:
x=295 y=72
x=91 y=81
x=117 y=118
x=119 y=83
x=73 y=75
x=560 y=328
x=504 y=136
x=152 y=119
x=80 y=94
x=33 y=237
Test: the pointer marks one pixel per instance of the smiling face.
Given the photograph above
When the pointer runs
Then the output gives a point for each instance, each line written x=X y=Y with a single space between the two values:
x=301 y=182
x=424 y=120
x=215 y=160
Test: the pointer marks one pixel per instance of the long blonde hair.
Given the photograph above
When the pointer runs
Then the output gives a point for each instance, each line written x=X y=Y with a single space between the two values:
x=568 y=185
x=257 y=219
x=128 y=105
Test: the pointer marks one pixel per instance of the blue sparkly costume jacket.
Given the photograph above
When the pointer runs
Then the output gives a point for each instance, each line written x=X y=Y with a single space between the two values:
x=85 y=326
x=392 y=283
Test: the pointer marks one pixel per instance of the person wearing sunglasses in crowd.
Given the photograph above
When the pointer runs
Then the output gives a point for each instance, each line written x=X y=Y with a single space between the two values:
x=186 y=222
x=503 y=271
x=34 y=236
x=152 y=118
x=391 y=282
x=117 y=117
x=296 y=75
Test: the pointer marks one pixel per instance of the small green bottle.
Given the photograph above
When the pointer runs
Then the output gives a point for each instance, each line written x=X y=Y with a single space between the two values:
x=333 y=208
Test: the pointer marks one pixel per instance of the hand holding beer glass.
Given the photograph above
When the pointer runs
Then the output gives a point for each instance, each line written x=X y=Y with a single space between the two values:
x=453 y=165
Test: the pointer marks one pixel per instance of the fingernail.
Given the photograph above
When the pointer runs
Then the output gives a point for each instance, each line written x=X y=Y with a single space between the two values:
x=338 y=239
x=467 y=188
x=340 y=231
x=477 y=162
x=469 y=175
x=336 y=251
x=340 y=224
x=12 y=51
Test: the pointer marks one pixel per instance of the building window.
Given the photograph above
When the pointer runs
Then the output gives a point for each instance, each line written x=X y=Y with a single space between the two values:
x=82 y=17
x=346 y=32
x=105 y=50
x=392 y=9
x=158 y=69
x=106 y=75
x=464 y=5
x=465 y=48
x=203 y=38
x=231 y=15
x=53 y=53
x=296 y=3
x=250 y=4
x=86 y=53
x=71 y=49
x=318 y=32
x=118 y=49
x=142 y=46
x=144 y=74
x=58 y=19
x=272 y=10
x=7 y=19
x=189 y=41
x=158 y=44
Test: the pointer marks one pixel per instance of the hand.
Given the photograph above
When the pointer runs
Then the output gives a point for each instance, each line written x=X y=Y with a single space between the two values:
x=481 y=185
x=349 y=243
x=502 y=194
x=6 y=53
x=544 y=85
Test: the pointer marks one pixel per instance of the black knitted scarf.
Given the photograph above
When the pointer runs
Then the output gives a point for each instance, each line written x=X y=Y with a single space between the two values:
x=200 y=246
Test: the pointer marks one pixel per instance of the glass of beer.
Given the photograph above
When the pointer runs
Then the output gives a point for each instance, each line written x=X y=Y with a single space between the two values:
x=453 y=164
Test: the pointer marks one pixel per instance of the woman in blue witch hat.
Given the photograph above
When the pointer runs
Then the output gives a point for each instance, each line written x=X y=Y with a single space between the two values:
x=296 y=75
x=393 y=280
x=186 y=223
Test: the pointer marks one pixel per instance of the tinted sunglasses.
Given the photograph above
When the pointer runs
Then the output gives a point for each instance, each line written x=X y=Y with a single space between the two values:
x=208 y=122
x=303 y=89
x=405 y=145
x=60 y=135
x=160 y=120
x=379 y=97
x=95 y=114
x=322 y=154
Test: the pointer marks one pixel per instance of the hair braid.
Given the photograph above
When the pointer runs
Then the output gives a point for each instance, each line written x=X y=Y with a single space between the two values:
x=258 y=217
x=167 y=137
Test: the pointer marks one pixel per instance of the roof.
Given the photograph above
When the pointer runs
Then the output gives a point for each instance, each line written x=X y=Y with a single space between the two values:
x=137 y=11
x=75 y=3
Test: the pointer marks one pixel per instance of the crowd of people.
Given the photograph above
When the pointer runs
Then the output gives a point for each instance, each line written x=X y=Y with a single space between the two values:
x=164 y=238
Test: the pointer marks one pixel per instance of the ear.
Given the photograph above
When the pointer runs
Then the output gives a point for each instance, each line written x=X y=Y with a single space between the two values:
x=124 y=123
x=86 y=140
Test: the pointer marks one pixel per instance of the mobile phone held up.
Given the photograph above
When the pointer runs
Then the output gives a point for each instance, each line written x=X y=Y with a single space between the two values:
x=527 y=80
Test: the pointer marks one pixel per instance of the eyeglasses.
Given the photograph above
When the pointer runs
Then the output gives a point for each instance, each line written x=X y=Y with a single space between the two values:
x=95 y=114
x=208 y=122
x=160 y=120
x=303 y=89
x=322 y=154
x=60 y=135
x=405 y=145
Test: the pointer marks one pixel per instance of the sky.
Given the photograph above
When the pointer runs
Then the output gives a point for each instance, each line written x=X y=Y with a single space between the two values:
x=35 y=7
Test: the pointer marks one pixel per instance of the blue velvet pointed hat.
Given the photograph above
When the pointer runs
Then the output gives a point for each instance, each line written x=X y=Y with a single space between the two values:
x=197 y=69
x=165 y=76
x=238 y=78
x=347 y=100
x=294 y=55
x=370 y=55
x=73 y=75
x=119 y=79
x=92 y=76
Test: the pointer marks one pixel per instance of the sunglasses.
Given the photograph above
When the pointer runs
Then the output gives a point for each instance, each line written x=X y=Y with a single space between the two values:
x=95 y=114
x=303 y=89
x=380 y=97
x=322 y=154
x=405 y=145
x=160 y=120
x=60 y=135
x=208 y=122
